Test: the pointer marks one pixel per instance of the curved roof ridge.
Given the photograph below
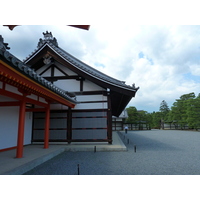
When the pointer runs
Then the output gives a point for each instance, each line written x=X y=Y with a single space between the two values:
x=52 y=43
x=86 y=68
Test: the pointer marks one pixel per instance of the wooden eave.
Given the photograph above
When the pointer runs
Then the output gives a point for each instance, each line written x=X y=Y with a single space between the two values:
x=35 y=61
x=10 y=75
x=121 y=94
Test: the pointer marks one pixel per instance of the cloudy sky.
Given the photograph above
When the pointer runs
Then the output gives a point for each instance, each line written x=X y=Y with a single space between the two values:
x=163 y=60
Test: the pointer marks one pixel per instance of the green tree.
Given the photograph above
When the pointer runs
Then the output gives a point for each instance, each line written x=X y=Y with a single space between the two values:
x=164 y=110
x=193 y=113
x=181 y=109
x=156 y=117
x=132 y=115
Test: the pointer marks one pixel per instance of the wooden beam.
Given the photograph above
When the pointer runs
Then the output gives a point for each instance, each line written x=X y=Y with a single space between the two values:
x=35 y=110
x=47 y=124
x=10 y=103
x=30 y=85
x=20 y=98
x=109 y=118
x=69 y=124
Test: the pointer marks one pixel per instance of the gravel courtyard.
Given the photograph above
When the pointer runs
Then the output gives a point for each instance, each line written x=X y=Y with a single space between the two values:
x=158 y=152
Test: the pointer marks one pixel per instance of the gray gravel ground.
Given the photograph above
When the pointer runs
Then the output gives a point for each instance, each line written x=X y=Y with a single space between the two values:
x=158 y=152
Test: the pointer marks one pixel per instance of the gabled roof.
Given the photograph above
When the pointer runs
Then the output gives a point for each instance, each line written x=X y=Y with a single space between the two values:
x=25 y=71
x=51 y=42
x=121 y=93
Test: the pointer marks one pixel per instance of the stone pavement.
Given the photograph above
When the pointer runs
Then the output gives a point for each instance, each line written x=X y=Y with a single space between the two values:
x=158 y=152
x=35 y=155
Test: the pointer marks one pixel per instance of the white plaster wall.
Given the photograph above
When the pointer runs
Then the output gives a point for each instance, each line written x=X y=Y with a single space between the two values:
x=90 y=86
x=42 y=69
x=9 y=127
x=91 y=106
x=69 y=85
x=91 y=98
x=12 y=89
x=66 y=70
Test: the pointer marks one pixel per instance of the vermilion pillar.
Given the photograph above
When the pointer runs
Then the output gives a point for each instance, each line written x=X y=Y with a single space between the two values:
x=21 y=124
x=47 y=123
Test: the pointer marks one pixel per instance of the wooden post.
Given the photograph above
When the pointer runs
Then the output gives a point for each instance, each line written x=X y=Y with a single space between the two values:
x=21 y=124
x=109 y=118
x=69 y=125
x=47 y=123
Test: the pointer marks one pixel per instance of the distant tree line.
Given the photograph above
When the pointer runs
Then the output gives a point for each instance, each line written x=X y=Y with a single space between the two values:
x=185 y=112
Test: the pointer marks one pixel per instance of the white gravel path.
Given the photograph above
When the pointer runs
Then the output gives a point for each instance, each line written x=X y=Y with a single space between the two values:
x=158 y=152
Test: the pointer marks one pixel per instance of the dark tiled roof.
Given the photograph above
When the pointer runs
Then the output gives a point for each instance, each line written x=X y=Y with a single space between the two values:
x=51 y=42
x=26 y=70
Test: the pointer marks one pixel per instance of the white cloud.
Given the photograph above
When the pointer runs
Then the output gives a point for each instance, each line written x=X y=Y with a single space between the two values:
x=170 y=53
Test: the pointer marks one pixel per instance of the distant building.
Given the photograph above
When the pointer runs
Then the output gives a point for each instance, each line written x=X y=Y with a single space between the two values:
x=118 y=122
x=54 y=97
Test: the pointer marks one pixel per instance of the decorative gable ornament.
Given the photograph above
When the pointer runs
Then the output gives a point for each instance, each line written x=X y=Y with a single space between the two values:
x=48 y=37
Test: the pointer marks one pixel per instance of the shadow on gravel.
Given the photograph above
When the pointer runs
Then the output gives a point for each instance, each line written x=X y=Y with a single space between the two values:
x=146 y=143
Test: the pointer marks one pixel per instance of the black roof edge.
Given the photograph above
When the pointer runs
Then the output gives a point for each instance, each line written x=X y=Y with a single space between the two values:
x=80 y=65
x=30 y=73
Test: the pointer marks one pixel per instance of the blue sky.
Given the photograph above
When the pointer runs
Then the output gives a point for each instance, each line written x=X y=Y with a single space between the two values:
x=163 y=60
x=142 y=45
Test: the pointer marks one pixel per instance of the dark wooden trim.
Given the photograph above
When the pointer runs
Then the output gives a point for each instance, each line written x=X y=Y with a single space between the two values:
x=90 y=93
x=73 y=140
x=89 y=140
x=109 y=118
x=91 y=117
x=52 y=72
x=10 y=103
x=81 y=85
x=69 y=125
x=92 y=101
x=61 y=71
x=103 y=128
x=93 y=110
x=55 y=78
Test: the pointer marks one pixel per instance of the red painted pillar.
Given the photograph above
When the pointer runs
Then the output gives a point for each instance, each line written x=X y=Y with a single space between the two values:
x=21 y=124
x=47 y=123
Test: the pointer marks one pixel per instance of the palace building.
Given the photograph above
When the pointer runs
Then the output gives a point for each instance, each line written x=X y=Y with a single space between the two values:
x=53 y=97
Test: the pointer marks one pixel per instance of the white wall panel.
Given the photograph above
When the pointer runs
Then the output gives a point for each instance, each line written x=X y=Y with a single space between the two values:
x=91 y=106
x=66 y=70
x=9 y=127
x=70 y=85
x=58 y=72
x=12 y=89
x=90 y=86
x=47 y=73
x=41 y=70
x=91 y=98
